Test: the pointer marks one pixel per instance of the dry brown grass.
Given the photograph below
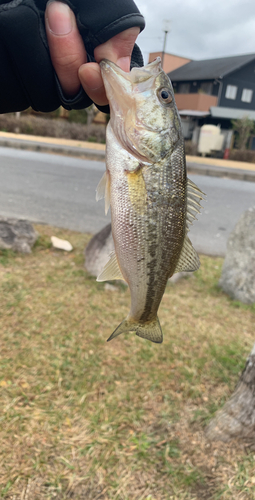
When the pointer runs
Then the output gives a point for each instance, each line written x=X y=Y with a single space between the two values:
x=45 y=127
x=242 y=155
x=85 y=419
x=190 y=148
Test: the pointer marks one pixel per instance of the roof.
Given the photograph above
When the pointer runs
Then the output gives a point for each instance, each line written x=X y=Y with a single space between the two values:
x=209 y=69
x=231 y=113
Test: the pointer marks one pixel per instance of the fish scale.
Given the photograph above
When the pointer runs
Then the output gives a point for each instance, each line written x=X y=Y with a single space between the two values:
x=146 y=186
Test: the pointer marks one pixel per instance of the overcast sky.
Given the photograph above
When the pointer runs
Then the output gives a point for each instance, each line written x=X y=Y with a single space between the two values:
x=199 y=29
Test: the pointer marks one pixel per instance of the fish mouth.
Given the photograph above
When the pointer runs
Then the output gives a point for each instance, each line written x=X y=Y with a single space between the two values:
x=120 y=87
x=120 y=84
x=137 y=74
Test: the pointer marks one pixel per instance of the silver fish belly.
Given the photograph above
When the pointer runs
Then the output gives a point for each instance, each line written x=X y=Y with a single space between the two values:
x=150 y=196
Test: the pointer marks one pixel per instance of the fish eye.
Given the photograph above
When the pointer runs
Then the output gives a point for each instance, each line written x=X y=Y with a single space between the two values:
x=165 y=96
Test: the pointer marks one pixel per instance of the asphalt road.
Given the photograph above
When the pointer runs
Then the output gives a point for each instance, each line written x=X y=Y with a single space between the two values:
x=60 y=191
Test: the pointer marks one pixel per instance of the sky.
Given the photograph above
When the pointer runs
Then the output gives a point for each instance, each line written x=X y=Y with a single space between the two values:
x=199 y=29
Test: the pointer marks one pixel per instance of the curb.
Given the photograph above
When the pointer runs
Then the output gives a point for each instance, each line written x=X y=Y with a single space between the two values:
x=44 y=147
x=225 y=172
x=99 y=155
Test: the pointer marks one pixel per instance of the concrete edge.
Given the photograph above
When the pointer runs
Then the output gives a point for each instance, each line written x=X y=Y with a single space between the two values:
x=53 y=148
x=236 y=174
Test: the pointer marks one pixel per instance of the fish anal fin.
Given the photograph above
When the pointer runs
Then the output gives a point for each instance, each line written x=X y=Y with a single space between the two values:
x=188 y=260
x=103 y=190
x=111 y=270
x=150 y=330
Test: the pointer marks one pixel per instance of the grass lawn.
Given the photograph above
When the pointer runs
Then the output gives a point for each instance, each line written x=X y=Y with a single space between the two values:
x=84 y=419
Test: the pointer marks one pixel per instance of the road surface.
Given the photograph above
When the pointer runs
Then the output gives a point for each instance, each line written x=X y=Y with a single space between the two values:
x=60 y=191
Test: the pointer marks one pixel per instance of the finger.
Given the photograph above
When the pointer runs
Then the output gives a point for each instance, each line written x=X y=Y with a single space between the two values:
x=92 y=82
x=66 y=46
x=118 y=50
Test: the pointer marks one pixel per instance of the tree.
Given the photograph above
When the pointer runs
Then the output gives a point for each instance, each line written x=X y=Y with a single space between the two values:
x=237 y=417
x=244 y=128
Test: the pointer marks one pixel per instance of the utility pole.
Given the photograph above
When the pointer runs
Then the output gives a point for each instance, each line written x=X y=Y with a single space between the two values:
x=166 y=28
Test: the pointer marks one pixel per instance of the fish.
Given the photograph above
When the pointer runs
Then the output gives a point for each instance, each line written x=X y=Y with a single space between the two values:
x=152 y=201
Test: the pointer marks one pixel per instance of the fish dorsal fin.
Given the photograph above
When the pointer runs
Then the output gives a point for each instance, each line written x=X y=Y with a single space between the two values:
x=188 y=260
x=103 y=190
x=194 y=196
x=111 y=270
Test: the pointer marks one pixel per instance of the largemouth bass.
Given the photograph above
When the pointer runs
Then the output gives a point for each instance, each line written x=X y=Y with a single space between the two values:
x=146 y=185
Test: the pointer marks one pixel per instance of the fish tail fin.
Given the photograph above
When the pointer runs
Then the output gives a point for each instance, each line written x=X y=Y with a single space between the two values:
x=125 y=326
x=150 y=330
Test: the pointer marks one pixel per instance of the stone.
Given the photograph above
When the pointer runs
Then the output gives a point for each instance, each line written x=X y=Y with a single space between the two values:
x=17 y=235
x=98 y=251
x=61 y=244
x=179 y=276
x=110 y=288
x=236 y=419
x=238 y=272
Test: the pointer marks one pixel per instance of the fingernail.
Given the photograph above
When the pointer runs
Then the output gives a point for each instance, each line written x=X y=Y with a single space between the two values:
x=59 y=18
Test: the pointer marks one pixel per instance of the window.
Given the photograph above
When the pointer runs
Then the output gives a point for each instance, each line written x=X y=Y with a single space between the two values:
x=247 y=95
x=184 y=88
x=206 y=88
x=231 y=92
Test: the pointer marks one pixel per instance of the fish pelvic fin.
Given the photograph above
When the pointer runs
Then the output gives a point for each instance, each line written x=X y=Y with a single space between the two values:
x=150 y=330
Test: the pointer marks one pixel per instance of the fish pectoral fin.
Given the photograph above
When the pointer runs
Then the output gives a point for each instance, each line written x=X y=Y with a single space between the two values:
x=111 y=270
x=188 y=260
x=194 y=196
x=150 y=331
x=100 y=190
x=103 y=190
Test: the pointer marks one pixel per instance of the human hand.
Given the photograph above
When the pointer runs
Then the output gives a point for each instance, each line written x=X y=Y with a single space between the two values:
x=69 y=57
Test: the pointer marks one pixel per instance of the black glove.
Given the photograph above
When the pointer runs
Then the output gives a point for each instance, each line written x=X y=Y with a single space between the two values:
x=27 y=74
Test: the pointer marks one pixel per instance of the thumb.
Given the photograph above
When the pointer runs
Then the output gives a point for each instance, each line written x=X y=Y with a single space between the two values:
x=66 y=46
x=119 y=48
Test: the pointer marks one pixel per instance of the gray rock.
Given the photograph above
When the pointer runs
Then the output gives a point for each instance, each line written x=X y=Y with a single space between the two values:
x=179 y=276
x=238 y=273
x=98 y=251
x=110 y=288
x=17 y=235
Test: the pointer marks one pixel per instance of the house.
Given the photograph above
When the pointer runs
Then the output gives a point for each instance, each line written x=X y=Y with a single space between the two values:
x=215 y=91
x=169 y=61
